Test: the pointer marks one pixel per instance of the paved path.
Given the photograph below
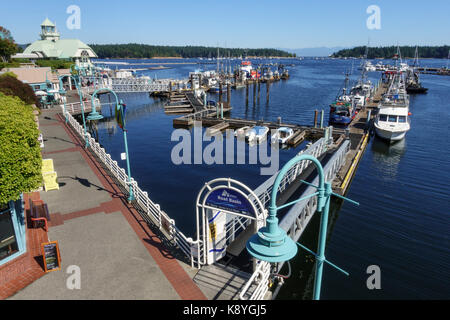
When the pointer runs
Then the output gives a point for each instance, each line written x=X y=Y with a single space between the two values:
x=119 y=256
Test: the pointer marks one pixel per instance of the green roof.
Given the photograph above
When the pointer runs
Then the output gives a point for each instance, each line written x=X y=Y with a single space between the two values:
x=60 y=49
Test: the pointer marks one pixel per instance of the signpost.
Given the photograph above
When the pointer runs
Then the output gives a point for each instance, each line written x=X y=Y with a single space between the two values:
x=51 y=256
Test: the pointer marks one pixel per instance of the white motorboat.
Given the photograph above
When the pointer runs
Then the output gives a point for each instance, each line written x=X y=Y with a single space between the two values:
x=282 y=135
x=257 y=134
x=241 y=132
x=392 y=122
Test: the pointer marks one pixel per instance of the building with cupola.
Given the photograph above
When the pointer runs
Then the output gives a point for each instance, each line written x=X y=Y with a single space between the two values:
x=51 y=46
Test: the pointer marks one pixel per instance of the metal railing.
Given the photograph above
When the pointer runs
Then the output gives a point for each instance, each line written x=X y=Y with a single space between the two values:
x=298 y=217
x=152 y=212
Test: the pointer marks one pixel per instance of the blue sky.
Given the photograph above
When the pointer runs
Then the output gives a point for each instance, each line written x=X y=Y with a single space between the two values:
x=232 y=23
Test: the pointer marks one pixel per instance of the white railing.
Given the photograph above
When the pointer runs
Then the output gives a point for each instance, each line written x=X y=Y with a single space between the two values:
x=153 y=213
x=260 y=278
x=75 y=107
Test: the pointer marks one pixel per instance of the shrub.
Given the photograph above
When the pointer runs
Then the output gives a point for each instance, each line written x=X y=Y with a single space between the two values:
x=20 y=156
x=11 y=86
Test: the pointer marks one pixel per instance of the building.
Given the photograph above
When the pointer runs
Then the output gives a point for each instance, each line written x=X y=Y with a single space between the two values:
x=12 y=231
x=44 y=82
x=51 y=46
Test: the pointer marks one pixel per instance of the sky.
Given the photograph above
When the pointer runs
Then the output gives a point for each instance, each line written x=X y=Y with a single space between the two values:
x=236 y=23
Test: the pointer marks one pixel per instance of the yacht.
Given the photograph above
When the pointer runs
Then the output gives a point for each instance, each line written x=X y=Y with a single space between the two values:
x=392 y=121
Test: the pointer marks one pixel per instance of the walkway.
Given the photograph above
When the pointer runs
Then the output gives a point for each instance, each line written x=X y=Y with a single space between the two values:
x=119 y=255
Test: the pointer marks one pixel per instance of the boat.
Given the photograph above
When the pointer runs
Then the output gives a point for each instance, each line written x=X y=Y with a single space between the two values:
x=241 y=132
x=392 y=121
x=257 y=133
x=282 y=135
x=413 y=84
x=343 y=110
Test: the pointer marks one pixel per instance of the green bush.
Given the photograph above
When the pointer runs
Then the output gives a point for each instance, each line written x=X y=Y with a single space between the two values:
x=11 y=86
x=20 y=158
x=55 y=64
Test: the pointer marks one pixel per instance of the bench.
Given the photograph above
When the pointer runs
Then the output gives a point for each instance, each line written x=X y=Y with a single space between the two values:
x=38 y=213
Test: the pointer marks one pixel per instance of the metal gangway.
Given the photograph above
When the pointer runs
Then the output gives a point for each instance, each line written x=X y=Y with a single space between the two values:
x=132 y=85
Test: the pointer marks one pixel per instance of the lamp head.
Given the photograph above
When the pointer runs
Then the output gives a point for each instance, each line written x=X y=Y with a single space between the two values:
x=272 y=244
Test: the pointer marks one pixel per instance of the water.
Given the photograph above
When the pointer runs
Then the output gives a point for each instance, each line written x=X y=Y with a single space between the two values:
x=402 y=223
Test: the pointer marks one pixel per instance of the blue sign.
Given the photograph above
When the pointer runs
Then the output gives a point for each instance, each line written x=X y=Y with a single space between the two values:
x=230 y=200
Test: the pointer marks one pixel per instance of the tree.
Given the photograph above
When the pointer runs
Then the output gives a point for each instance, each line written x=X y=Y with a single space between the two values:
x=20 y=159
x=7 y=45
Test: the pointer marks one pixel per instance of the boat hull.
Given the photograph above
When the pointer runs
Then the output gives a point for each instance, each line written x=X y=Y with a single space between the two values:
x=390 y=135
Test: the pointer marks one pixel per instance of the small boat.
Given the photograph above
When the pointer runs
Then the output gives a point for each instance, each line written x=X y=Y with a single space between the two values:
x=282 y=135
x=241 y=132
x=257 y=133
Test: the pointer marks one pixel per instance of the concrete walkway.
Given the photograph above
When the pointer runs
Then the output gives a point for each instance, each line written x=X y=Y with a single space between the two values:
x=118 y=255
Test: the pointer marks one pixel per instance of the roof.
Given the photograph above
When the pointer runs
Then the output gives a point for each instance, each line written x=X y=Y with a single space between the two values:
x=60 y=49
x=47 y=23
x=34 y=75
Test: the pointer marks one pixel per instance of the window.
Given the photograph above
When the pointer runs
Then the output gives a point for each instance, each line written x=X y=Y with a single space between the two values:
x=402 y=119
x=8 y=243
x=392 y=118
x=383 y=117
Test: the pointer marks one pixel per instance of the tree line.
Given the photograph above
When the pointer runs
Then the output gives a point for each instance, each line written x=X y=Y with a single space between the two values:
x=438 y=52
x=133 y=50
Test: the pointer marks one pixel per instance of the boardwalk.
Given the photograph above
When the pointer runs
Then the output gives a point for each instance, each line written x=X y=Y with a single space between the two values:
x=120 y=256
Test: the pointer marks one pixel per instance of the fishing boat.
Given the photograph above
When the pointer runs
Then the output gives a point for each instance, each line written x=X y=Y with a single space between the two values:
x=343 y=110
x=392 y=121
x=282 y=135
x=257 y=134
x=413 y=84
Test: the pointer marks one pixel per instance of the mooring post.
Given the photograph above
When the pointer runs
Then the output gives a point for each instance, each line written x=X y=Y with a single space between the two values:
x=267 y=91
x=246 y=93
x=220 y=91
x=229 y=93
x=321 y=119
x=254 y=93
x=221 y=111
x=279 y=121
x=316 y=114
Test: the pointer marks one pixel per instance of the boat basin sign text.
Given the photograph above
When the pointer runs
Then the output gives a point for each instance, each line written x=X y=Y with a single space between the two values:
x=230 y=200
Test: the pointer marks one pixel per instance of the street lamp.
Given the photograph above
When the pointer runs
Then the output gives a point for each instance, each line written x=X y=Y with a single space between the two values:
x=273 y=245
x=119 y=108
x=80 y=94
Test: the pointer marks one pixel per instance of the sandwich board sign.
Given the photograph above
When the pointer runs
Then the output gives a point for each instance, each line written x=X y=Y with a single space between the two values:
x=51 y=256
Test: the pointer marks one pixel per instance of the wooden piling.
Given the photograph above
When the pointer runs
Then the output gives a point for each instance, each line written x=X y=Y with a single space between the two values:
x=246 y=93
x=228 y=93
x=316 y=114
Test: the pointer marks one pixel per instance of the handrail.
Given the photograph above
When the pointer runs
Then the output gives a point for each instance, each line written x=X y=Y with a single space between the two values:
x=152 y=210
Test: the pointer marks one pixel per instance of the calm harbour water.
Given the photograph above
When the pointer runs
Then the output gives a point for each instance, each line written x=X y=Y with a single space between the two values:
x=402 y=224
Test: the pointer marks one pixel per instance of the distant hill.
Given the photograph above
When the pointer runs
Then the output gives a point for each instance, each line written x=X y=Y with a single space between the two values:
x=438 y=52
x=314 y=52
x=133 y=50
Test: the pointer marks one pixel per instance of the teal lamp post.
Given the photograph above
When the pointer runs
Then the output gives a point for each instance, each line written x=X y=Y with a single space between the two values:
x=119 y=108
x=273 y=245
x=80 y=94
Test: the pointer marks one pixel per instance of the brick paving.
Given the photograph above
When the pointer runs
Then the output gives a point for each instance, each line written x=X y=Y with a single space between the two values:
x=181 y=282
